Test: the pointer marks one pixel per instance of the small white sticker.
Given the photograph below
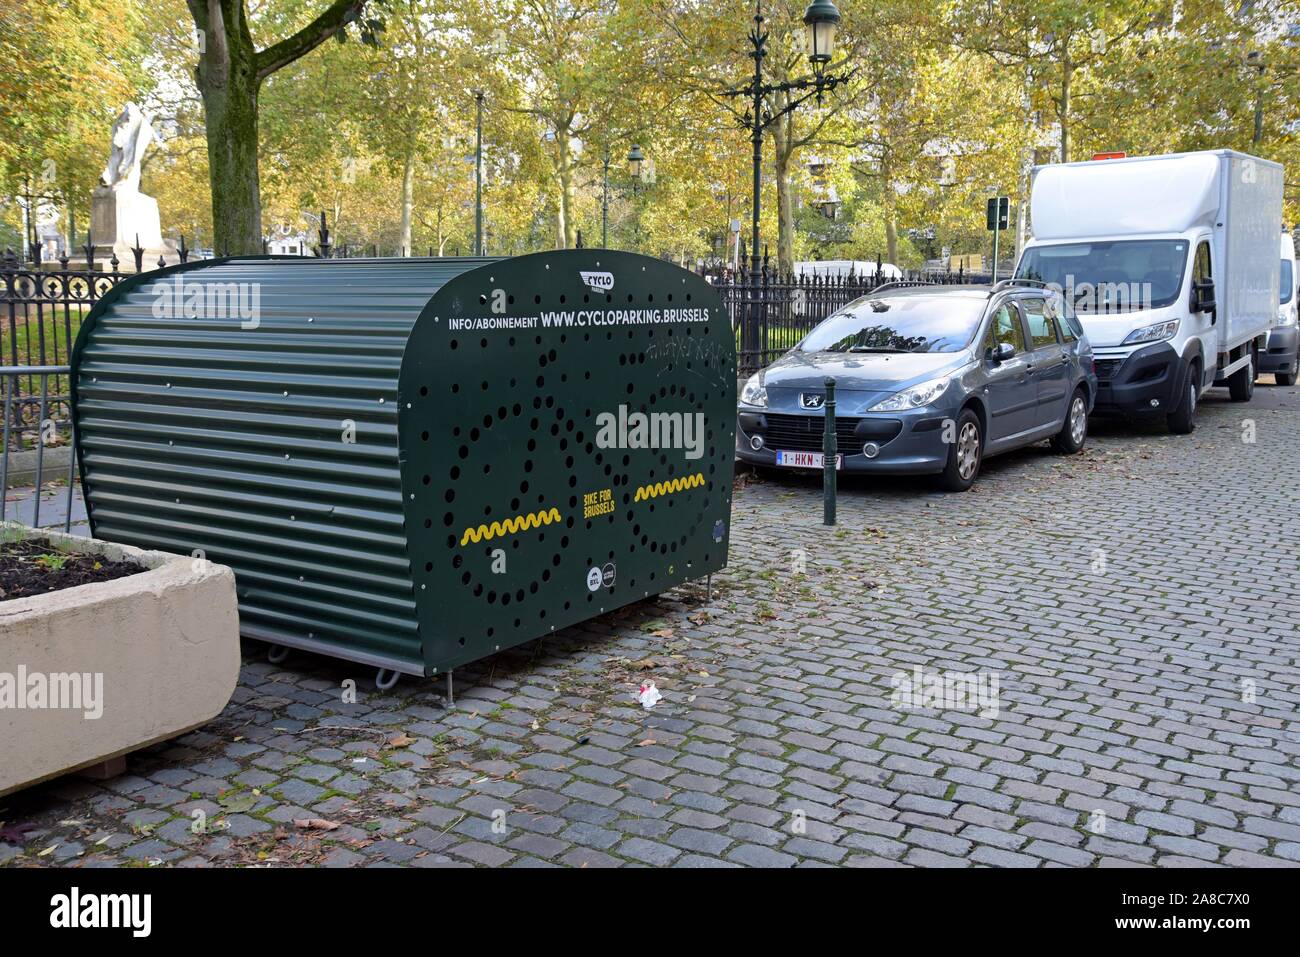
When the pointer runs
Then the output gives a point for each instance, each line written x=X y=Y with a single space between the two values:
x=593 y=578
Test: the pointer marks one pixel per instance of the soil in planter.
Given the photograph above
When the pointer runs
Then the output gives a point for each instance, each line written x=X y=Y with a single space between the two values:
x=32 y=568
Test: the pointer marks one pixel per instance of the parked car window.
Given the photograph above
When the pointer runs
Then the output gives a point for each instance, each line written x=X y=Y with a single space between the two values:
x=1068 y=326
x=910 y=323
x=1288 y=281
x=1042 y=327
x=1070 y=321
x=1005 y=327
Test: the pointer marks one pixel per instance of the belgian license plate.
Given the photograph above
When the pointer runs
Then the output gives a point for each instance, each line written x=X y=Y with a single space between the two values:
x=807 y=460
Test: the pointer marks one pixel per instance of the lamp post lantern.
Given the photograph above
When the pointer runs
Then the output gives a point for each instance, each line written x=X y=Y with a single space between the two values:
x=821 y=20
x=635 y=161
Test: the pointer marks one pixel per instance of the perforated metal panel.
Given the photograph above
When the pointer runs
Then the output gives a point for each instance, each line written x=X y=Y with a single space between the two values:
x=533 y=521
x=400 y=459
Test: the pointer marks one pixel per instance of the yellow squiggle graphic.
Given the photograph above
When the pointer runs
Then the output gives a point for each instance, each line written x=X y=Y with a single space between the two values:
x=668 y=488
x=519 y=523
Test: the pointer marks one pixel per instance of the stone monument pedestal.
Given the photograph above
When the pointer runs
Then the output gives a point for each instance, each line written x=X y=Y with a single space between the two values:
x=120 y=217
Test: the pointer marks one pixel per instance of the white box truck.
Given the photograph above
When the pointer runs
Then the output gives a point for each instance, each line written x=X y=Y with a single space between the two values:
x=1171 y=264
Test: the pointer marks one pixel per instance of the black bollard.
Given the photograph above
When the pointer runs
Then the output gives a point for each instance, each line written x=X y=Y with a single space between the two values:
x=829 y=455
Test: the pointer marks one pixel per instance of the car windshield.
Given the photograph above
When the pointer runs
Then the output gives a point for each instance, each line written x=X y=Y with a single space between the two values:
x=1106 y=277
x=1288 y=281
x=899 y=324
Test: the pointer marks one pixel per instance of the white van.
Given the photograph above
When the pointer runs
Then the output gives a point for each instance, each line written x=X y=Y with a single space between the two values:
x=1171 y=264
x=1281 y=357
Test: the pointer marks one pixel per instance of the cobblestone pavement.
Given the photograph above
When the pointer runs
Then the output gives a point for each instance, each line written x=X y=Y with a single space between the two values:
x=1137 y=605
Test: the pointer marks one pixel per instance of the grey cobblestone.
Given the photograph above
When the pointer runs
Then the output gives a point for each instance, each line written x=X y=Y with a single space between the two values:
x=1118 y=695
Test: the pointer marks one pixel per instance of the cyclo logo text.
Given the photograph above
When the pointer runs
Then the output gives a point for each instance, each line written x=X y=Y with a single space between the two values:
x=598 y=281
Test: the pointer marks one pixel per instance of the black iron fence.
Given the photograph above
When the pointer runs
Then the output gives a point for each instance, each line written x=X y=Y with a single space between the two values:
x=770 y=313
x=42 y=306
x=52 y=460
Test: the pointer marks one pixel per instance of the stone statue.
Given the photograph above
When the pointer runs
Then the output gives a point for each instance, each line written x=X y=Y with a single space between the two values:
x=120 y=215
x=132 y=134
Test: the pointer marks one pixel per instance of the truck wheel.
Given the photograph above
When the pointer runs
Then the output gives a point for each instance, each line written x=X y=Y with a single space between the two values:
x=964 y=455
x=1288 y=378
x=1074 y=430
x=1182 y=421
x=1241 y=385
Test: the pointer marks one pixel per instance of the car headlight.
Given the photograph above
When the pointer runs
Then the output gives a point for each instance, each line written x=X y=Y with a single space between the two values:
x=754 y=392
x=1155 y=332
x=915 y=397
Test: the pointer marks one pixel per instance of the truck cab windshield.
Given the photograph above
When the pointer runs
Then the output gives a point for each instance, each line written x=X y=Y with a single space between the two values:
x=1110 y=277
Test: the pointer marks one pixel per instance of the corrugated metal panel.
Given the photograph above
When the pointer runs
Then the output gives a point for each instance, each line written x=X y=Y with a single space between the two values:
x=271 y=448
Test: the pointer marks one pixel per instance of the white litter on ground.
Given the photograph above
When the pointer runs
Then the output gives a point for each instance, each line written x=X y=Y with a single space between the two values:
x=649 y=695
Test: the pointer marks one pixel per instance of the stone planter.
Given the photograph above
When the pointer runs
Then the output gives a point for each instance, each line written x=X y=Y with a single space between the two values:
x=123 y=663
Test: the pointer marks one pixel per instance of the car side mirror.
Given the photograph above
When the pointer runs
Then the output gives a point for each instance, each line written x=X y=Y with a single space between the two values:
x=1203 y=295
x=1002 y=352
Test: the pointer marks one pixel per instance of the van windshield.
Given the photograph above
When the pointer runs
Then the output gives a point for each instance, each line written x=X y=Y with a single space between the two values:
x=1106 y=277
x=1288 y=282
x=899 y=324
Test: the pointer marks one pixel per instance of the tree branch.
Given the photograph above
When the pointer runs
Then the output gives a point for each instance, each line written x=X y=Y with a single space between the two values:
x=339 y=13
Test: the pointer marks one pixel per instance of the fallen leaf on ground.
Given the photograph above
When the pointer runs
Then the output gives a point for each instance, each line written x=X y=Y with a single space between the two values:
x=315 y=824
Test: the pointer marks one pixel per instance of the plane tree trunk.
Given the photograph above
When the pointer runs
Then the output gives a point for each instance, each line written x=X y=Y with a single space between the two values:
x=229 y=75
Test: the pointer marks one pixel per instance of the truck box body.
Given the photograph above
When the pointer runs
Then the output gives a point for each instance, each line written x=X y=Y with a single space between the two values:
x=1237 y=197
x=1174 y=265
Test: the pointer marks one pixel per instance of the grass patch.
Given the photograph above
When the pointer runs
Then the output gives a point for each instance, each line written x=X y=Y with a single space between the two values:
x=43 y=340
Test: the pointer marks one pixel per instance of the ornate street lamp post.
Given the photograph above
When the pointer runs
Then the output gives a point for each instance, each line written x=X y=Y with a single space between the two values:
x=478 y=173
x=604 y=206
x=635 y=164
x=820 y=22
x=635 y=167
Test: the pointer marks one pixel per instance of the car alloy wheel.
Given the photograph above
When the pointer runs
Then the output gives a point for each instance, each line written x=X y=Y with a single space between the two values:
x=1078 y=420
x=968 y=450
